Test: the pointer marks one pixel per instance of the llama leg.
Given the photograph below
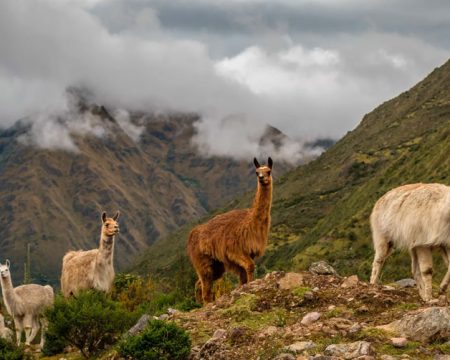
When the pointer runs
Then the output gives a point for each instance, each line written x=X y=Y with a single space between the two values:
x=44 y=325
x=425 y=260
x=445 y=281
x=18 y=325
x=34 y=330
x=28 y=326
x=248 y=265
x=415 y=270
x=198 y=291
x=383 y=249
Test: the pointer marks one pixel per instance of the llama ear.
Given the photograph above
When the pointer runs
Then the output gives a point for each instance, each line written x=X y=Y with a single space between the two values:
x=103 y=216
x=7 y=263
x=270 y=162
x=115 y=217
x=256 y=163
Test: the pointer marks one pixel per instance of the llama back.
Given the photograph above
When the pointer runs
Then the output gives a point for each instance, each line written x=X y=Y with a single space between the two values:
x=35 y=297
x=77 y=271
x=412 y=215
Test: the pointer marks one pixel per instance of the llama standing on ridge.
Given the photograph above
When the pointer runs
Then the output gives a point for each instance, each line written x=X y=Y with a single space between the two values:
x=414 y=217
x=25 y=304
x=231 y=241
x=92 y=269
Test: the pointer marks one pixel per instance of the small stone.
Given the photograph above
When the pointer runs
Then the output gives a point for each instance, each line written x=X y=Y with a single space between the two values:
x=406 y=283
x=350 y=350
x=220 y=334
x=322 y=268
x=300 y=346
x=389 y=288
x=399 y=342
x=284 y=356
x=290 y=281
x=350 y=282
x=309 y=318
x=355 y=328
x=172 y=311
x=316 y=289
x=308 y=295
x=387 y=357
x=163 y=317
x=331 y=307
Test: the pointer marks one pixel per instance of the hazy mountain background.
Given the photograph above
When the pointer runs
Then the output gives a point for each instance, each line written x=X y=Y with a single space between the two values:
x=52 y=198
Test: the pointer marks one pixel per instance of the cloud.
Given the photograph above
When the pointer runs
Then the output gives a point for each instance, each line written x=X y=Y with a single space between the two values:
x=309 y=69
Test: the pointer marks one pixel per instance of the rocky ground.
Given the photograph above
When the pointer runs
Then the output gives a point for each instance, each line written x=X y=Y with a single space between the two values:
x=314 y=316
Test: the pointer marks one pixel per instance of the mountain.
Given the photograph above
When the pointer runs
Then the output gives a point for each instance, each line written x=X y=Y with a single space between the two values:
x=321 y=209
x=52 y=199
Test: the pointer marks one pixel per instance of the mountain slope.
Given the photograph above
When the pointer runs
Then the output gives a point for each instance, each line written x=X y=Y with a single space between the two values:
x=52 y=199
x=321 y=210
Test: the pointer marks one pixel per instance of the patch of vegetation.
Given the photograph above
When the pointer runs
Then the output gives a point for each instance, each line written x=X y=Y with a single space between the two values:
x=160 y=340
x=300 y=291
x=9 y=351
x=89 y=322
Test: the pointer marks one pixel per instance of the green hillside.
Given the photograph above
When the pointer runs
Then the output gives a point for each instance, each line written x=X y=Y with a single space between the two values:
x=321 y=210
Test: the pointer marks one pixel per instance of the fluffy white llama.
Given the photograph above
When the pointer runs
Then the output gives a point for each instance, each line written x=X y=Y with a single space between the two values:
x=415 y=217
x=92 y=269
x=5 y=332
x=25 y=304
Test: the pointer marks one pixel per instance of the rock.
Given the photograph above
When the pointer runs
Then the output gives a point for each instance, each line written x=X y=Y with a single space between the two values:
x=300 y=346
x=350 y=351
x=163 y=317
x=355 y=328
x=350 y=282
x=219 y=334
x=425 y=325
x=389 y=288
x=290 y=281
x=406 y=283
x=309 y=318
x=139 y=326
x=271 y=330
x=172 y=311
x=210 y=349
x=308 y=295
x=284 y=356
x=331 y=307
x=322 y=268
x=387 y=357
x=399 y=342
x=442 y=357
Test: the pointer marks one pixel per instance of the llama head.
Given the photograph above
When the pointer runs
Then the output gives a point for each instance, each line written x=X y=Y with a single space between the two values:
x=264 y=172
x=4 y=270
x=110 y=226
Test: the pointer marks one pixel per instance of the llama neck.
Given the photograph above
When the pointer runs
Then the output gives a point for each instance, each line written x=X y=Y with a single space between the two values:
x=262 y=204
x=9 y=296
x=106 y=249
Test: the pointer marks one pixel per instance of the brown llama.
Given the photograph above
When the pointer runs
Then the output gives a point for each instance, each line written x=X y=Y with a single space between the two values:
x=231 y=241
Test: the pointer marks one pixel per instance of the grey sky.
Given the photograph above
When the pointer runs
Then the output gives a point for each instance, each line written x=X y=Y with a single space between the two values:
x=310 y=68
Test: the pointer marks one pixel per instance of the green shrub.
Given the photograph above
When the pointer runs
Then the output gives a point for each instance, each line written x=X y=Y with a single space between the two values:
x=160 y=340
x=88 y=321
x=9 y=351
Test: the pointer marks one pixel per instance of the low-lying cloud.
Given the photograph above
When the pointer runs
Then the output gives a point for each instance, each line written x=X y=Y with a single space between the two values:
x=130 y=55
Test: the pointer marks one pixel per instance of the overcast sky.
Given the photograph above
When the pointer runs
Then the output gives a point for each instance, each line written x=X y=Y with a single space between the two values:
x=310 y=68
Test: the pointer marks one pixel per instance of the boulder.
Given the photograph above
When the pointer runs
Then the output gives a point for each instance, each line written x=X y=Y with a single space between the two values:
x=322 y=268
x=425 y=325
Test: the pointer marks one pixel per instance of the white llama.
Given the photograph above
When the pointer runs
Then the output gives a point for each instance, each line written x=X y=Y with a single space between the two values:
x=415 y=217
x=25 y=304
x=92 y=269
